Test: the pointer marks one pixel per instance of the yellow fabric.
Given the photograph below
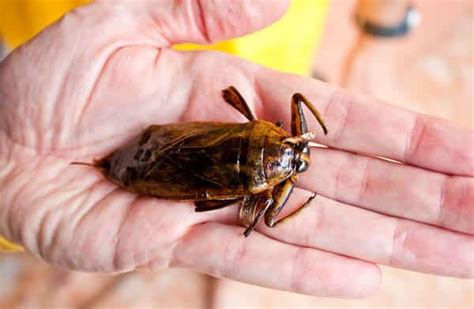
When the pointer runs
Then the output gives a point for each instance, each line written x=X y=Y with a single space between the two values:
x=287 y=45
x=8 y=246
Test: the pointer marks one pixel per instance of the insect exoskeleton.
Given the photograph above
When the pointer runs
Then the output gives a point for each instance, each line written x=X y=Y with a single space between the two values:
x=216 y=164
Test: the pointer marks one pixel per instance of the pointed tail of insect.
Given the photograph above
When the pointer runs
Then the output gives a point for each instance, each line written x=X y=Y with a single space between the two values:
x=82 y=163
x=102 y=164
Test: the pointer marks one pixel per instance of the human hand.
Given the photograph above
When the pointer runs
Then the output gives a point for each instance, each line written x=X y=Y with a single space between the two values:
x=90 y=82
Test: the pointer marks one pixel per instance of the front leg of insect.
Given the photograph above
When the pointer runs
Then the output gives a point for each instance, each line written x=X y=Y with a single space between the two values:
x=254 y=208
x=281 y=194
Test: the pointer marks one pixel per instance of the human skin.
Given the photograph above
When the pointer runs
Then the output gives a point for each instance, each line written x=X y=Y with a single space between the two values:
x=95 y=79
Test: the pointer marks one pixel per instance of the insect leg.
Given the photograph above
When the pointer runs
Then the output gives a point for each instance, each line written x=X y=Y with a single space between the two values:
x=296 y=212
x=233 y=97
x=298 y=121
x=212 y=204
x=281 y=193
x=253 y=209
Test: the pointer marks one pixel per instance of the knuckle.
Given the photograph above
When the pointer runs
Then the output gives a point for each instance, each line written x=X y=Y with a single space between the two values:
x=414 y=138
x=400 y=253
x=234 y=255
x=298 y=264
x=455 y=204
x=338 y=111
x=353 y=179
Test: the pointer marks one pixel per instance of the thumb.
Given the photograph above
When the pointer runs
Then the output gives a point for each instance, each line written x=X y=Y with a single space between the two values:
x=207 y=21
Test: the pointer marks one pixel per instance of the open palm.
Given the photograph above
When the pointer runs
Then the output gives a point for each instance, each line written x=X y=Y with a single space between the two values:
x=90 y=82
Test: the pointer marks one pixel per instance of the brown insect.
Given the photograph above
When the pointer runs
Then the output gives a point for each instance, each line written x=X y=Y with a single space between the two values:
x=216 y=164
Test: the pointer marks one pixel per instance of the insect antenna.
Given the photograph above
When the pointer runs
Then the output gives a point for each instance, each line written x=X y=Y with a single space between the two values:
x=304 y=138
x=312 y=144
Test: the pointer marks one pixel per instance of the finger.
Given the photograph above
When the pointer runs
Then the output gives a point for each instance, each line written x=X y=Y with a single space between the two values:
x=364 y=124
x=223 y=251
x=207 y=21
x=392 y=188
x=351 y=231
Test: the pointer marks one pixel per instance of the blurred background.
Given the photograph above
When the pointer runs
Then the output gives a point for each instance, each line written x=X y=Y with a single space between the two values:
x=428 y=69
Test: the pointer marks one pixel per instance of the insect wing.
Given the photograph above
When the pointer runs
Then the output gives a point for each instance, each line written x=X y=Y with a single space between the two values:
x=197 y=160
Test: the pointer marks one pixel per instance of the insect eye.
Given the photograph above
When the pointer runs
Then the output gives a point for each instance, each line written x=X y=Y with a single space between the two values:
x=305 y=150
x=301 y=166
x=302 y=163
